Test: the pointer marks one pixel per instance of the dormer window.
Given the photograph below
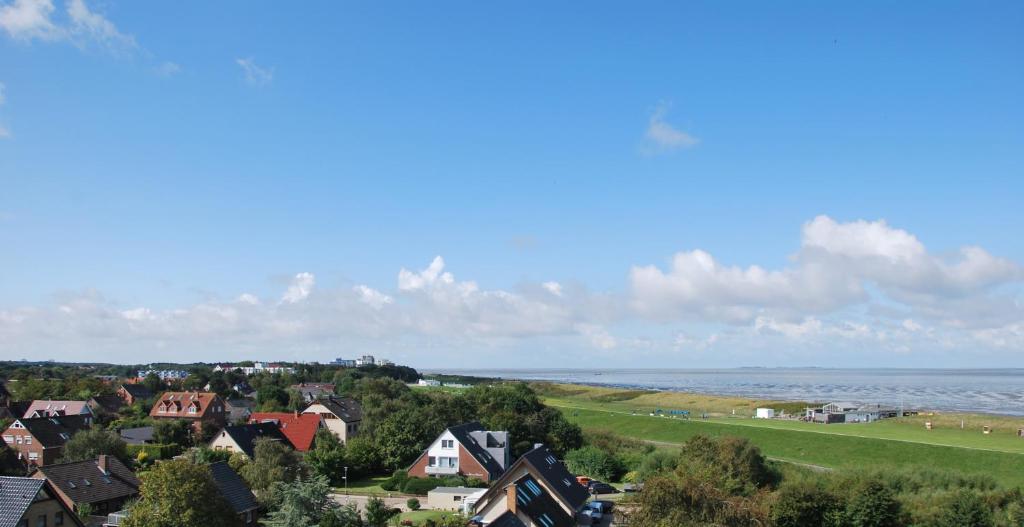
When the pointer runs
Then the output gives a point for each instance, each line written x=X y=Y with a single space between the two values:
x=447 y=443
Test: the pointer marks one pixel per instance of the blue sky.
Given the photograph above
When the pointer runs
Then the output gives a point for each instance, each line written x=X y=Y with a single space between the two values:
x=170 y=172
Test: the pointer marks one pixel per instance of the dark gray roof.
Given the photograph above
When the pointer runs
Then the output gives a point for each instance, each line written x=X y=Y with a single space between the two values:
x=109 y=403
x=137 y=436
x=16 y=495
x=537 y=503
x=233 y=488
x=347 y=409
x=461 y=433
x=138 y=391
x=557 y=477
x=507 y=520
x=54 y=431
x=246 y=435
x=85 y=482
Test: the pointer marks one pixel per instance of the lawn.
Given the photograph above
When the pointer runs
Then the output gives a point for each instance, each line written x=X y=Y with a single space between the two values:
x=789 y=441
x=366 y=486
x=418 y=517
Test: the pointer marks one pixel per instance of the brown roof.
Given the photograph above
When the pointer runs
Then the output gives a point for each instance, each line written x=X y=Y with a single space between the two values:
x=179 y=404
x=56 y=408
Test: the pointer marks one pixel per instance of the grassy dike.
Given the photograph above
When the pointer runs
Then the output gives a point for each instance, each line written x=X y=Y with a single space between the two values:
x=896 y=443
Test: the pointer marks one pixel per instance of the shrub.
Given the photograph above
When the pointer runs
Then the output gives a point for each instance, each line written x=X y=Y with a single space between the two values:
x=421 y=486
x=413 y=504
x=396 y=481
x=154 y=452
x=965 y=509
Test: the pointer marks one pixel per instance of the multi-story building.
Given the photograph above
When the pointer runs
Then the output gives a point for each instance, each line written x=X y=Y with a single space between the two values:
x=341 y=415
x=30 y=501
x=366 y=360
x=344 y=363
x=257 y=367
x=40 y=441
x=203 y=409
x=164 y=375
x=58 y=409
x=104 y=484
x=466 y=450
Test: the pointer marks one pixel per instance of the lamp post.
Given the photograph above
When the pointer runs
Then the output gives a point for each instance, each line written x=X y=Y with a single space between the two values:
x=345 y=477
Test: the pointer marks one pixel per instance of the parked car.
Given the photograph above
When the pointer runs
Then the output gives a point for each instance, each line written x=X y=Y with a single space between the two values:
x=594 y=515
x=600 y=487
x=633 y=487
x=604 y=506
x=583 y=480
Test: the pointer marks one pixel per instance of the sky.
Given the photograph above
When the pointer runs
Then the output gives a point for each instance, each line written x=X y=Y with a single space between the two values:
x=481 y=184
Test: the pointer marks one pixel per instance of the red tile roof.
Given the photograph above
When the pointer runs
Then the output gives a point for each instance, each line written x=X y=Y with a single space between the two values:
x=177 y=404
x=300 y=429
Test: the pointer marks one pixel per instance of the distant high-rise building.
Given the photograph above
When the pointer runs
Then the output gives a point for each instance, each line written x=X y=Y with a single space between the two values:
x=366 y=360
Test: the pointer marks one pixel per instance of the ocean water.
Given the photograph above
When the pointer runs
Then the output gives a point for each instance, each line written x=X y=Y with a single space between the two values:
x=999 y=391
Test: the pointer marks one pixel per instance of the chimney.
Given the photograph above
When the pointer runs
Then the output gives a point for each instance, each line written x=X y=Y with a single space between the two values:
x=296 y=414
x=510 y=497
x=103 y=464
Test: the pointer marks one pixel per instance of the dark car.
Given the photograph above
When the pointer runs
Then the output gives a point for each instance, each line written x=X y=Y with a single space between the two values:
x=604 y=506
x=600 y=487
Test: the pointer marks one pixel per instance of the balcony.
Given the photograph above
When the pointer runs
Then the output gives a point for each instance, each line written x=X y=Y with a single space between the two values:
x=442 y=471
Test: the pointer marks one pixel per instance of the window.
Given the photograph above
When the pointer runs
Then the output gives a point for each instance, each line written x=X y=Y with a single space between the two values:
x=248 y=517
x=33 y=455
x=19 y=439
x=8 y=439
x=28 y=440
x=58 y=518
x=447 y=443
x=41 y=521
x=431 y=461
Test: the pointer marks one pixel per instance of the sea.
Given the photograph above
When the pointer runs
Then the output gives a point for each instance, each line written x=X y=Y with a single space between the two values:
x=996 y=391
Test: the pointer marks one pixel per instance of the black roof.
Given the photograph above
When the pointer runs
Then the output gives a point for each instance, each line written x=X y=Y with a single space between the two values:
x=138 y=391
x=537 y=503
x=461 y=433
x=86 y=482
x=246 y=435
x=556 y=476
x=54 y=431
x=16 y=495
x=3 y=390
x=347 y=409
x=137 y=436
x=233 y=488
x=507 y=520
x=109 y=403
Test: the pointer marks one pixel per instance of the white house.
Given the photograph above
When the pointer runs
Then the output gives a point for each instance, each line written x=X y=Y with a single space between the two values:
x=465 y=450
x=342 y=416
x=765 y=413
x=428 y=382
x=366 y=360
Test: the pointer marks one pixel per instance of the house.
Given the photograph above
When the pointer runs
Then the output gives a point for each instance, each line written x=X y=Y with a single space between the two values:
x=450 y=498
x=105 y=483
x=300 y=429
x=235 y=492
x=203 y=409
x=244 y=389
x=133 y=393
x=536 y=491
x=764 y=413
x=163 y=375
x=142 y=435
x=242 y=438
x=40 y=441
x=28 y=502
x=465 y=450
x=105 y=405
x=385 y=362
x=257 y=367
x=59 y=408
x=239 y=410
x=312 y=391
x=341 y=415
x=428 y=382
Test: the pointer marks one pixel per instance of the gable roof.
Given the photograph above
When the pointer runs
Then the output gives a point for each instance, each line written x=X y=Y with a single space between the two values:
x=233 y=488
x=533 y=500
x=109 y=403
x=137 y=436
x=138 y=391
x=312 y=390
x=86 y=482
x=556 y=476
x=177 y=404
x=52 y=408
x=300 y=429
x=53 y=431
x=245 y=436
x=345 y=408
x=509 y=519
x=16 y=496
x=486 y=460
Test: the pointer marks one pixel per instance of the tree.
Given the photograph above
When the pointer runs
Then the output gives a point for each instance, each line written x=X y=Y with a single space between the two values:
x=413 y=504
x=345 y=516
x=153 y=383
x=301 y=503
x=273 y=462
x=327 y=458
x=172 y=432
x=873 y=504
x=179 y=494
x=804 y=504
x=734 y=461
x=89 y=444
x=594 y=462
x=271 y=398
x=965 y=509
x=378 y=513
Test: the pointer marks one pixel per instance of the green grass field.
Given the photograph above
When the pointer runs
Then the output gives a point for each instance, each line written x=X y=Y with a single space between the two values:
x=418 y=517
x=896 y=443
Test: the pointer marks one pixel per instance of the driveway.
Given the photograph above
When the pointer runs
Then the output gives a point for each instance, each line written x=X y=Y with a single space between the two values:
x=360 y=501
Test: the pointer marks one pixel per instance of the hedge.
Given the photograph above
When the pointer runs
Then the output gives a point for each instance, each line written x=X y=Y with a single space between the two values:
x=154 y=451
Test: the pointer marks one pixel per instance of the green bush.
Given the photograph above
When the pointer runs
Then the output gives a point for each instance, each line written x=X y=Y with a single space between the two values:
x=413 y=504
x=421 y=486
x=154 y=452
x=396 y=481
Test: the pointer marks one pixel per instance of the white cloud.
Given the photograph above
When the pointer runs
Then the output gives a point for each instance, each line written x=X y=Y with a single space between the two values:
x=372 y=297
x=838 y=265
x=661 y=136
x=300 y=288
x=554 y=288
x=90 y=27
x=248 y=298
x=597 y=336
x=167 y=69
x=30 y=19
x=254 y=74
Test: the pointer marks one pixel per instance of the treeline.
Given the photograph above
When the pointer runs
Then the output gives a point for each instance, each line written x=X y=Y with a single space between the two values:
x=726 y=481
